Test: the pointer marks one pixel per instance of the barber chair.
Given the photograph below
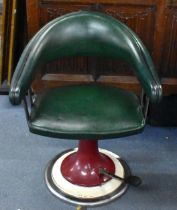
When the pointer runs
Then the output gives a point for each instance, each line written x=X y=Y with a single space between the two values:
x=87 y=175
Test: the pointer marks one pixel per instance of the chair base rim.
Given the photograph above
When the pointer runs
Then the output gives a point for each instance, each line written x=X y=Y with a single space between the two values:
x=60 y=188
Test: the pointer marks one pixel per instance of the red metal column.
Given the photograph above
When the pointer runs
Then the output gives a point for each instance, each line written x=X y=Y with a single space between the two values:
x=82 y=167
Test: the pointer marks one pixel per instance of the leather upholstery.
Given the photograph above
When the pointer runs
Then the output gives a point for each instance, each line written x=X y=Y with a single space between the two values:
x=84 y=33
x=86 y=111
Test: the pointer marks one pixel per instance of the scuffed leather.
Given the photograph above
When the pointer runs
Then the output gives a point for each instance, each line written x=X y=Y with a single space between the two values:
x=86 y=112
x=89 y=34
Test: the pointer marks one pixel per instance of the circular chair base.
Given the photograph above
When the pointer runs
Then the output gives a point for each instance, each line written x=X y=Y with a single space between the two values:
x=86 y=196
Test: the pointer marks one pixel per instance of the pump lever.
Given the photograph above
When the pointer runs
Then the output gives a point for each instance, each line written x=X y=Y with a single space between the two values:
x=132 y=180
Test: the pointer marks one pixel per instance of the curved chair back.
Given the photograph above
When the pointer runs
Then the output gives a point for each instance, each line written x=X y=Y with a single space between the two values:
x=84 y=33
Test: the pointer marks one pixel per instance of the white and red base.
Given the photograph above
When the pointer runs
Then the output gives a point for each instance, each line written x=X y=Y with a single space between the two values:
x=86 y=195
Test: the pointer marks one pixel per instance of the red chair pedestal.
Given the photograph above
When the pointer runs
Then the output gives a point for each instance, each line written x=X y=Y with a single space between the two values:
x=82 y=167
x=74 y=175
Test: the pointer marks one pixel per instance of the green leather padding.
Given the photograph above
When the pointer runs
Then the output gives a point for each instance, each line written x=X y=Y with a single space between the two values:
x=86 y=34
x=86 y=111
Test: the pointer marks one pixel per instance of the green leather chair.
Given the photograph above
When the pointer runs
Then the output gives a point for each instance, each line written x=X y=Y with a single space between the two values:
x=86 y=175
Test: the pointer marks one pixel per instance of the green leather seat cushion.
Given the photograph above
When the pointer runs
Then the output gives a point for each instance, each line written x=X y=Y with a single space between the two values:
x=86 y=111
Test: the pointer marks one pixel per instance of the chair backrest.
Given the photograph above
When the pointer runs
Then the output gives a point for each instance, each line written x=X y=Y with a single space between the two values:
x=84 y=33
